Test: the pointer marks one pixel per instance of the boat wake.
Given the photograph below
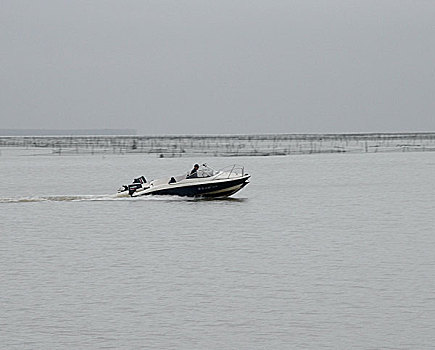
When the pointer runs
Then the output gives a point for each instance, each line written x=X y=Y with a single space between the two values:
x=93 y=198
x=62 y=198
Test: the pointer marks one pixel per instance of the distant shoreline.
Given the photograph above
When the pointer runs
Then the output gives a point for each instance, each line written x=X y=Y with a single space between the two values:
x=227 y=145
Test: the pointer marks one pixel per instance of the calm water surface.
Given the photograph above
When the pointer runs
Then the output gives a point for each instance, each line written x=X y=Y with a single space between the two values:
x=318 y=252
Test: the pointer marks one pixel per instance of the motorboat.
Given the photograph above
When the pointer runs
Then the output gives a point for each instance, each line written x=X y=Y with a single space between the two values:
x=205 y=182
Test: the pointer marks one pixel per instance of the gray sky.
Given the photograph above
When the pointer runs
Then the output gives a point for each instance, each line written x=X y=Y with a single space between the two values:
x=192 y=67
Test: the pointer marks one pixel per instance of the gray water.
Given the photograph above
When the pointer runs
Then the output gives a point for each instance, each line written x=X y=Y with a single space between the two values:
x=318 y=252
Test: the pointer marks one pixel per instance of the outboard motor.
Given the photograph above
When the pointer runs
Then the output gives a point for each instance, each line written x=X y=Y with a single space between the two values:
x=133 y=187
x=137 y=183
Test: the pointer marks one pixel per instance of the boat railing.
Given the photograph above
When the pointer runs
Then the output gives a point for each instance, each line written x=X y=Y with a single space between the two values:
x=231 y=171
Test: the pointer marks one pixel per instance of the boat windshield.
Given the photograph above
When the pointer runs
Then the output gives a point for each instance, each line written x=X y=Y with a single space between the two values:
x=203 y=171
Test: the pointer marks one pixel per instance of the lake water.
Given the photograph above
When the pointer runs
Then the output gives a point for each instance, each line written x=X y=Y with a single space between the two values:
x=317 y=252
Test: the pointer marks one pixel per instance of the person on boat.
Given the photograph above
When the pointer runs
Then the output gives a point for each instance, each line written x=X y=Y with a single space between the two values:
x=194 y=172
